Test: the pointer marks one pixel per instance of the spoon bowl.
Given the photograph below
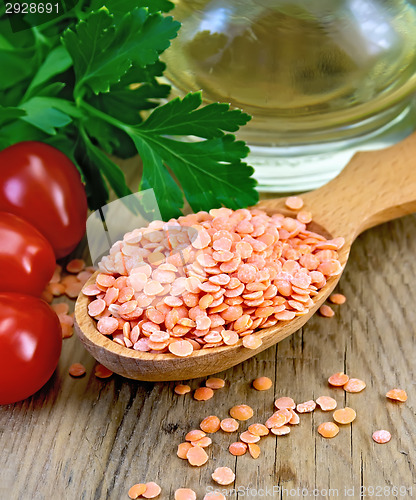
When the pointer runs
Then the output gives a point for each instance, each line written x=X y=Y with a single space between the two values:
x=375 y=187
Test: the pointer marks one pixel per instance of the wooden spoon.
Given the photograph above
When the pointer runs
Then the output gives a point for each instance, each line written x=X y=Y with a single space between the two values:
x=375 y=187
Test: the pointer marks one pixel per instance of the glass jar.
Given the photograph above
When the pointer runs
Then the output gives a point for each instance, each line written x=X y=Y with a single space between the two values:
x=321 y=78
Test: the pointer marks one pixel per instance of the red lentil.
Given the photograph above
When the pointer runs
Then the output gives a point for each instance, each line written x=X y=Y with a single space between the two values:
x=280 y=431
x=306 y=407
x=195 y=435
x=215 y=383
x=203 y=442
x=337 y=298
x=381 y=437
x=241 y=412
x=182 y=389
x=77 y=370
x=338 y=379
x=344 y=415
x=258 y=430
x=197 y=456
x=248 y=437
x=203 y=393
x=294 y=202
x=238 y=448
x=185 y=494
x=229 y=425
x=397 y=395
x=214 y=495
x=326 y=403
x=102 y=372
x=254 y=450
x=183 y=450
x=262 y=383
x=284 y=402
x=223 y=476
x=136 y=491
x=210 y=424
x=328 y=429
x=354 y=385
x=152 y=490
x=326 y=311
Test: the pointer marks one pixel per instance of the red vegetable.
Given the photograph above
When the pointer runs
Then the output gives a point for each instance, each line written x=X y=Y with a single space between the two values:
x=41 y=185
x=27 y=260
x=30 y=345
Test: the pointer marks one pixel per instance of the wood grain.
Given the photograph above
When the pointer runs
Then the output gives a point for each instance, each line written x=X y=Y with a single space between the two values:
x=90 y=439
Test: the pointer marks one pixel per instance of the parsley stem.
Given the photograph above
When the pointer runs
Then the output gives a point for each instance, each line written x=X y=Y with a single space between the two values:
x=104 y=116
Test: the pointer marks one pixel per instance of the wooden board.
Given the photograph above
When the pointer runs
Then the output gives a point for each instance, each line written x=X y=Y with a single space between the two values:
x=91 y=439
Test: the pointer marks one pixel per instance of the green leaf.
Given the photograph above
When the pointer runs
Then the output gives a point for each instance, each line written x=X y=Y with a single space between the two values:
x=108 y=168
x=41 y=113
x=9 y=114
x=157 y=177
x=209 y=171
x=57 y=61
x=103 y=52
x=156 y=5
x=15 y=68
x=136 y=74
x=181 y=117
x=126 y=104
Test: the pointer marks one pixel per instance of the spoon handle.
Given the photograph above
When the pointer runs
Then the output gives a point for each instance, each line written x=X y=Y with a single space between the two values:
x=375 y=187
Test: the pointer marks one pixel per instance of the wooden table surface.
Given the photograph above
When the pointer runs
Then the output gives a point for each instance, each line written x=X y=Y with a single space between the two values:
x=90 y=439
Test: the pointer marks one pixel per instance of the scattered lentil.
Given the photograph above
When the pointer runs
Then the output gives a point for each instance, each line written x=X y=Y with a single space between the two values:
x=215 y=383
x=284 y=403
x=397 y=395
x=344 y=415
x=102 y=372
x=306 y=407
x=182 y=389
x=338 y=379
x=195 y=435
x=337 y=298
x=326 y=403
x=210 y=424
x=152 y=490
x=241 y=412
x=254 y=450
x=328 y=429
x=262 y=383
x=197 y=456
x=326 y=311
x=354 y=385
x=77 y=370
x=137 y=491
x=294 y=202
x=280 y=431
x=223 y=476
x=258 y=430
x=183 y=450
x=214 y=495
x=381 y=436
x=203 y=393
x=238 y=448
x=185 y=494
x=229 y=425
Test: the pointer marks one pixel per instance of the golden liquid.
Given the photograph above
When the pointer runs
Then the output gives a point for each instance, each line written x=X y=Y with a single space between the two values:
x=307 y=70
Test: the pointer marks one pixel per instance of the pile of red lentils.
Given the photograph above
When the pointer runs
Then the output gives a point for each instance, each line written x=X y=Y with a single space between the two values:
x=210 y=279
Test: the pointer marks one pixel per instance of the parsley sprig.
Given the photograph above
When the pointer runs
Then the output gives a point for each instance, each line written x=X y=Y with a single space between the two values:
x=88 y=83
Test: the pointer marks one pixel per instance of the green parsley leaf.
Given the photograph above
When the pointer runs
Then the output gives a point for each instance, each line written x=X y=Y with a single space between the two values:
x=102 y=53
x=209 y=171
x=40 y=114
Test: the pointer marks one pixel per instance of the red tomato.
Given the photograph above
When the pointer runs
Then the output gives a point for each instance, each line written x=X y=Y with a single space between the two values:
x=41 y=185
x=27 y=260
x=30 y=345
